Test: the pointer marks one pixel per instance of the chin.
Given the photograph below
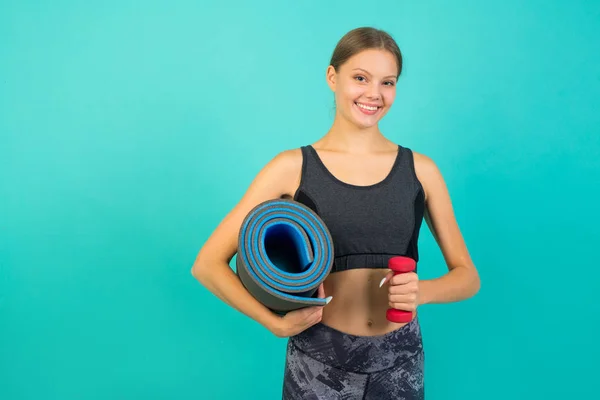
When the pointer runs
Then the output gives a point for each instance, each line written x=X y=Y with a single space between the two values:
x=365 y=124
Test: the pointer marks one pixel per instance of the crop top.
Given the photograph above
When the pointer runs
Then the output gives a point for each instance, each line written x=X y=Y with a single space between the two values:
x=368 y=224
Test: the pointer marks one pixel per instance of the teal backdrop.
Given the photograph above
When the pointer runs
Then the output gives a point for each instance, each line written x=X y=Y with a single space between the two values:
x=129 y=129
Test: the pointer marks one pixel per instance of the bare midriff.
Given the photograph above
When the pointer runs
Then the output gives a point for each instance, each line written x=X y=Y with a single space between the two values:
x=359 y=305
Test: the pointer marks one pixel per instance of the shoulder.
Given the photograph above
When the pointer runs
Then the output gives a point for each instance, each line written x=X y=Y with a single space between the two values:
x=286 y=161
x=427 y=172
x=283 y=171
x=424 y=164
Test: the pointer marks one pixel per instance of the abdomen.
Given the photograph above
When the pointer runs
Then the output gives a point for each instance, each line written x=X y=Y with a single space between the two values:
x=359 y=305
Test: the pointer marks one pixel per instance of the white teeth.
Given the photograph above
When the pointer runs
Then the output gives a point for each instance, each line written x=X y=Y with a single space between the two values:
x=367 y=107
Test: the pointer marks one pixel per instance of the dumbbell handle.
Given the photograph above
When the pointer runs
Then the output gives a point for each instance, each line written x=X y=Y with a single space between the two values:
x=400 y=265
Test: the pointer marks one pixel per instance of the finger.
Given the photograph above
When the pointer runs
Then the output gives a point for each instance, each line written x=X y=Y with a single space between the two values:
x=405 y=288
x=402 y=298
x=314 y=310
x=403 y=306
x=314 y=318
x=321 y=294
x=307 y=313
x=403 y=278
x=387 y=277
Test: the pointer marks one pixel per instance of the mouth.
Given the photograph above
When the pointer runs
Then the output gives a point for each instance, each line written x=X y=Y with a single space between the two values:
x=367 y=109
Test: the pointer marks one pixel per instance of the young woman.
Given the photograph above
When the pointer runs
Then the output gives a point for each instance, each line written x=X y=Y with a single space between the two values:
x=373 y=195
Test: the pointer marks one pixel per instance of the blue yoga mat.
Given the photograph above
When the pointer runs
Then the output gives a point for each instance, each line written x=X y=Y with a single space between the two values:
x=284 y=253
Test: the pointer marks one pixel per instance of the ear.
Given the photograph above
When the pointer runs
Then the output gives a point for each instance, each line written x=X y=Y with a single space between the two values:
x=331 y=76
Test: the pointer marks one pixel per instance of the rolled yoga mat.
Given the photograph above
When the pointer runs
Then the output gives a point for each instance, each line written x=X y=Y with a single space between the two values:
x=284 y=253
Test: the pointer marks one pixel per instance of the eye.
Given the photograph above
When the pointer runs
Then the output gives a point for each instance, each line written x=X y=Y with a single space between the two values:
x=360 y=78
x=389 y=83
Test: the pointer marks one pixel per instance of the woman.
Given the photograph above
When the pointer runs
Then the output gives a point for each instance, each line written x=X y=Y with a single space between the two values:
x=373 y=195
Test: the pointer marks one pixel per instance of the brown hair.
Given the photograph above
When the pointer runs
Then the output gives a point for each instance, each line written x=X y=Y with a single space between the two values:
x=364 y=38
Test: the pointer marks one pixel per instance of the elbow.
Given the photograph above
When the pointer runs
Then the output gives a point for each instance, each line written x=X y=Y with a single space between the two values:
x=205 y=266
x=199 y=268
x=195 y=271
x=470 y=280
x=475 y=283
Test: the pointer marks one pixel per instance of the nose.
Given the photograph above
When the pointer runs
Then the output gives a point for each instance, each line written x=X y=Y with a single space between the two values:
x=373 y=92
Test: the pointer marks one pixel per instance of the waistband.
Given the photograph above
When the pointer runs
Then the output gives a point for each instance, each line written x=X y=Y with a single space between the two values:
x=360 y=354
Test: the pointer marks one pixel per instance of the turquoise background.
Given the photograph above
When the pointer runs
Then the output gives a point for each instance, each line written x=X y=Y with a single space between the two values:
x=129 y=129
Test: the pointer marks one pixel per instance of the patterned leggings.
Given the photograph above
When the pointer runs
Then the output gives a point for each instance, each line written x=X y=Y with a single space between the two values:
x=324 y=363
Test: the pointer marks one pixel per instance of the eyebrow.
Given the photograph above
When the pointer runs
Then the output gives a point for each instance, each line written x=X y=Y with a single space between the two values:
x=367 y=72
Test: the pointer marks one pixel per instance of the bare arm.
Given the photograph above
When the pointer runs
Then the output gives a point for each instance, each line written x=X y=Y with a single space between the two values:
x=462 y=280
x=211 y=267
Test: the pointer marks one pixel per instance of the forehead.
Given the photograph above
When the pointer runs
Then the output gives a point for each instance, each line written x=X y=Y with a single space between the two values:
x=376 y=61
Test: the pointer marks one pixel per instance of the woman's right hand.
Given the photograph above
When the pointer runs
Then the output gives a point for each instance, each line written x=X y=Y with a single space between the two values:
x=297 y=321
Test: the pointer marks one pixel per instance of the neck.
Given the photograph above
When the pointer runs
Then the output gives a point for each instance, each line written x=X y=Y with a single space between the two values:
x=345 y=136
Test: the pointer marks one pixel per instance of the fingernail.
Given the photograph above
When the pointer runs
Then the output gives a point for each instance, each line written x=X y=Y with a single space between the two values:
x=381 y=283
x=327 y=300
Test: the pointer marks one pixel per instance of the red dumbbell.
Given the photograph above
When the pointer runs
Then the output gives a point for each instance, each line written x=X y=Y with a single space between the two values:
x=400 y=265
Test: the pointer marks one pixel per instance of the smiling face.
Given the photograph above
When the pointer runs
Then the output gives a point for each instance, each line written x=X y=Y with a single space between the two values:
x=364 y=86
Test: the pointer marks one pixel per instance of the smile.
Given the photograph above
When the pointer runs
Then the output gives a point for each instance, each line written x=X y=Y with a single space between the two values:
x=369 y=110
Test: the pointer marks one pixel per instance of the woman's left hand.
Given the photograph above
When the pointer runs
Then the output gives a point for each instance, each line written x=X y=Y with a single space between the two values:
x=403 y=290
